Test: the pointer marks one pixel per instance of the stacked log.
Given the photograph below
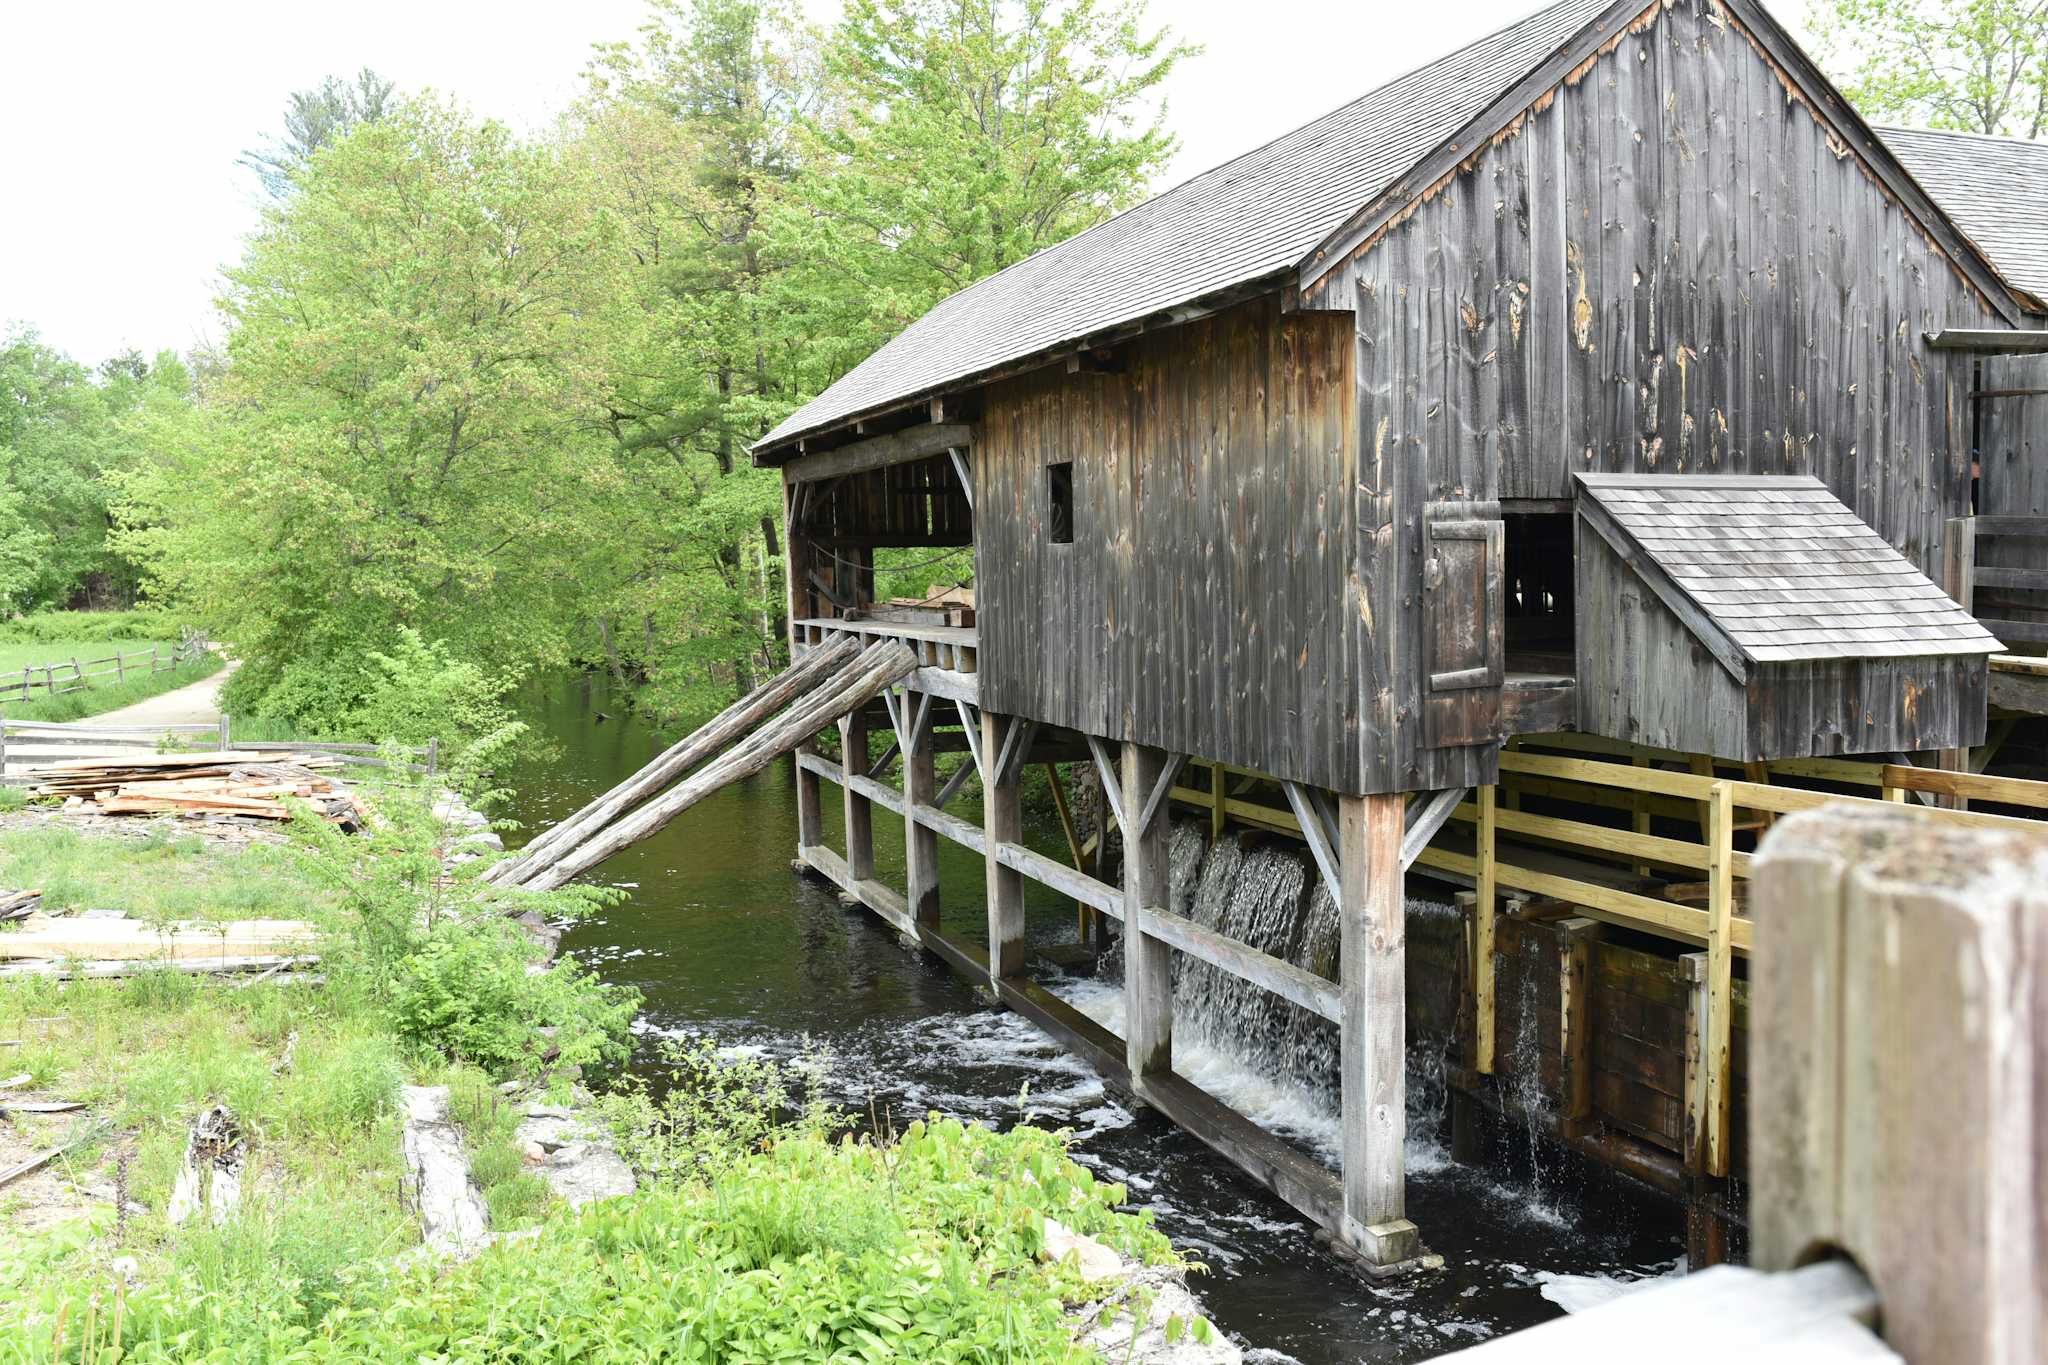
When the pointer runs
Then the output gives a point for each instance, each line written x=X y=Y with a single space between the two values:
x=878 y=667
x=678 y=759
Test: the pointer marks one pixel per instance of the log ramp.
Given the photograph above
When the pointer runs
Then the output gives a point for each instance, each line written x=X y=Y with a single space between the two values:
x=819 y=688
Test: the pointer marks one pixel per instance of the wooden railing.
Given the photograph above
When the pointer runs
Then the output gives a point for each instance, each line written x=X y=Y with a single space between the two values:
x=1507 y=843
x=2008 y=588
x=58 y=677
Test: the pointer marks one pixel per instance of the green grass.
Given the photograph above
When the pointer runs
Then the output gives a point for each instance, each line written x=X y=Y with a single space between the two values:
x=58 y=637
x=160 y=876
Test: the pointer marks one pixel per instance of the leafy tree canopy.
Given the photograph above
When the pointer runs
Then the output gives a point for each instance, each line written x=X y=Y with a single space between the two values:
x=312 y=119
x=1978 y=66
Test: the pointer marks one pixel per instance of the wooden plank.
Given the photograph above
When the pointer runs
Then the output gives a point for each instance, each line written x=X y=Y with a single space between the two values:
x=1486 y=895
x=1720 y=980
x=1268 y=973
x=1309 y=823
x=2010 y=791
x=963 y=832
x=877 y=452
x=858 y=812
x=1424 y=817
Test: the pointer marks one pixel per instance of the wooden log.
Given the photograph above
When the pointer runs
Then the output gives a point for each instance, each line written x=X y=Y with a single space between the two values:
x=677 y=760
x=877 y=668
x=1002 y=821
x=1373 y=1063
x=1148 y=961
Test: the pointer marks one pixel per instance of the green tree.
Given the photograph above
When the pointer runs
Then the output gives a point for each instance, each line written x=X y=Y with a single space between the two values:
x=404 y=435
x=1978 y=66
x=696 y=127
x=972 y=133
x=312 y=119
x=63 y=430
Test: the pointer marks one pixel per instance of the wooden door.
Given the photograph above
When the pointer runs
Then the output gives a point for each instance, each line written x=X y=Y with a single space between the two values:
x=1463 y=602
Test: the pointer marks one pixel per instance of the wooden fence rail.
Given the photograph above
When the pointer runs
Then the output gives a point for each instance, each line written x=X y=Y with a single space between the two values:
x=1625 y=778
x=122 y=740
x=58 y=677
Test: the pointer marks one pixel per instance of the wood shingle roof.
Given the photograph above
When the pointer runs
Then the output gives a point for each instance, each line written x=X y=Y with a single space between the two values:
x=1250 y=218
x=1995 y=188
x=1777 y=565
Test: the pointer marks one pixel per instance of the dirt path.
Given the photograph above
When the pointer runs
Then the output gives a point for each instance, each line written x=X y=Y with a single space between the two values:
x=193 y=704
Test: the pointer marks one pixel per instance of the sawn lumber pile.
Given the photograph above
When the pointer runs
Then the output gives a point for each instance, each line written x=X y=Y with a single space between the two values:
x=248 y=785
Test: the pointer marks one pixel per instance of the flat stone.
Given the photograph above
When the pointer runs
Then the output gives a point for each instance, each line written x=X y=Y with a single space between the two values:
x=1115 y=1333
x=585 y=1172
x=1097 y=1262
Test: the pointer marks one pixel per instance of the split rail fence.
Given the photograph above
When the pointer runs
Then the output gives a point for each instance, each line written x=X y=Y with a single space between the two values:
x=58 y=677
x=1602 y=859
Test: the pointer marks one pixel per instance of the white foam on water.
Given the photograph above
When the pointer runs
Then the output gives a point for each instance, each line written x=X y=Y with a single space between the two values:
x=1577 y=1293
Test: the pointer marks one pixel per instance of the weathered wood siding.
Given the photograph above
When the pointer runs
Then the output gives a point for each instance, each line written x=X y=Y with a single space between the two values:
x=1201 y=605
x=2012 y=454
x=1629 y=636
x=1671 y=266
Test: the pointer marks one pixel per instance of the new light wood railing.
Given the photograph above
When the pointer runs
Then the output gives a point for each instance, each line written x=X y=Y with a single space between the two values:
x=1718 y=807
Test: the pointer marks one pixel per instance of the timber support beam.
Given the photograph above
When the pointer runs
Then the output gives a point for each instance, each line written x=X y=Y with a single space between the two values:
x=1372 y=957
x=1148 y=961
x=1003 y=823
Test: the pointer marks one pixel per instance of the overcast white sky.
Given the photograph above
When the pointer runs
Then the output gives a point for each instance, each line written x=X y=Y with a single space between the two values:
x=123 y=119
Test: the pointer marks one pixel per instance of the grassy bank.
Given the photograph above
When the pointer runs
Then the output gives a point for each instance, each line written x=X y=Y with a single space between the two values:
x=760 y=1232
x=58 y=637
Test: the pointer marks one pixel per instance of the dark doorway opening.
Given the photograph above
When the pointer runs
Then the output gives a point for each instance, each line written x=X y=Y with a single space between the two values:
x=1541 y=586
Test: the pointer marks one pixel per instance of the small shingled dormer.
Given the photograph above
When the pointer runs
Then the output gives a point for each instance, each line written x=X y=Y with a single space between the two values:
x=1757 y=617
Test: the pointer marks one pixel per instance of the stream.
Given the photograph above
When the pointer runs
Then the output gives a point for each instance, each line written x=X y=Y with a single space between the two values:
x=724 y=940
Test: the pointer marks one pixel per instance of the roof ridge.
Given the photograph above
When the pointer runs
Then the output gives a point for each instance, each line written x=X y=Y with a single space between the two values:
x=1199 y=177
x=1886 y=129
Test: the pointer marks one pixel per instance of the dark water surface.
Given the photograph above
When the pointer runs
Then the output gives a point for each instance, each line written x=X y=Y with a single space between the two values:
x=724 y=940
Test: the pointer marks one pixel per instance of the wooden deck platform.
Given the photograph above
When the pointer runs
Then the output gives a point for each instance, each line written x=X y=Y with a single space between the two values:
x=949 y=653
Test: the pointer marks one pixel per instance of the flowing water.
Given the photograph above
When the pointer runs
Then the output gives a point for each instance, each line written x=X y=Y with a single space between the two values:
x=724 y=940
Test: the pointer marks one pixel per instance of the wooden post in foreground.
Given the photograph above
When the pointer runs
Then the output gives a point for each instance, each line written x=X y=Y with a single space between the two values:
x=1148 y=962
x=1372 y=968
x=1003 y=823
x=1900 y=1077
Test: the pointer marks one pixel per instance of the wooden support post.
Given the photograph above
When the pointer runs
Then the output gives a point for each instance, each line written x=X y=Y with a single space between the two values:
x=1576 y=938
x=1487 y=895
x=920 y=841
x=225 y=731
x=1372 y=960
x=1218 y=800
x=810 y=812
x=1720 y=974
x=1468 y=1141
x=860 y=813
x=1148 y=962
x=1003 y=820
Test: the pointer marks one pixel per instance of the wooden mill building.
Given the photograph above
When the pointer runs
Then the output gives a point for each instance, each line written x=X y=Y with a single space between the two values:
x=1608 y=377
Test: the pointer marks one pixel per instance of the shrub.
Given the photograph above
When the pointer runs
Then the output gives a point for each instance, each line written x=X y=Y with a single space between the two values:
x=926 y=1248
x=436 y=955
x=466 y=993
x=709 y=1109
x=416 y=691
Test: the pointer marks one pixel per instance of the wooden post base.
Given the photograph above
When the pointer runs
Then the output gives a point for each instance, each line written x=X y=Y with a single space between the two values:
x=1383 y=1251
